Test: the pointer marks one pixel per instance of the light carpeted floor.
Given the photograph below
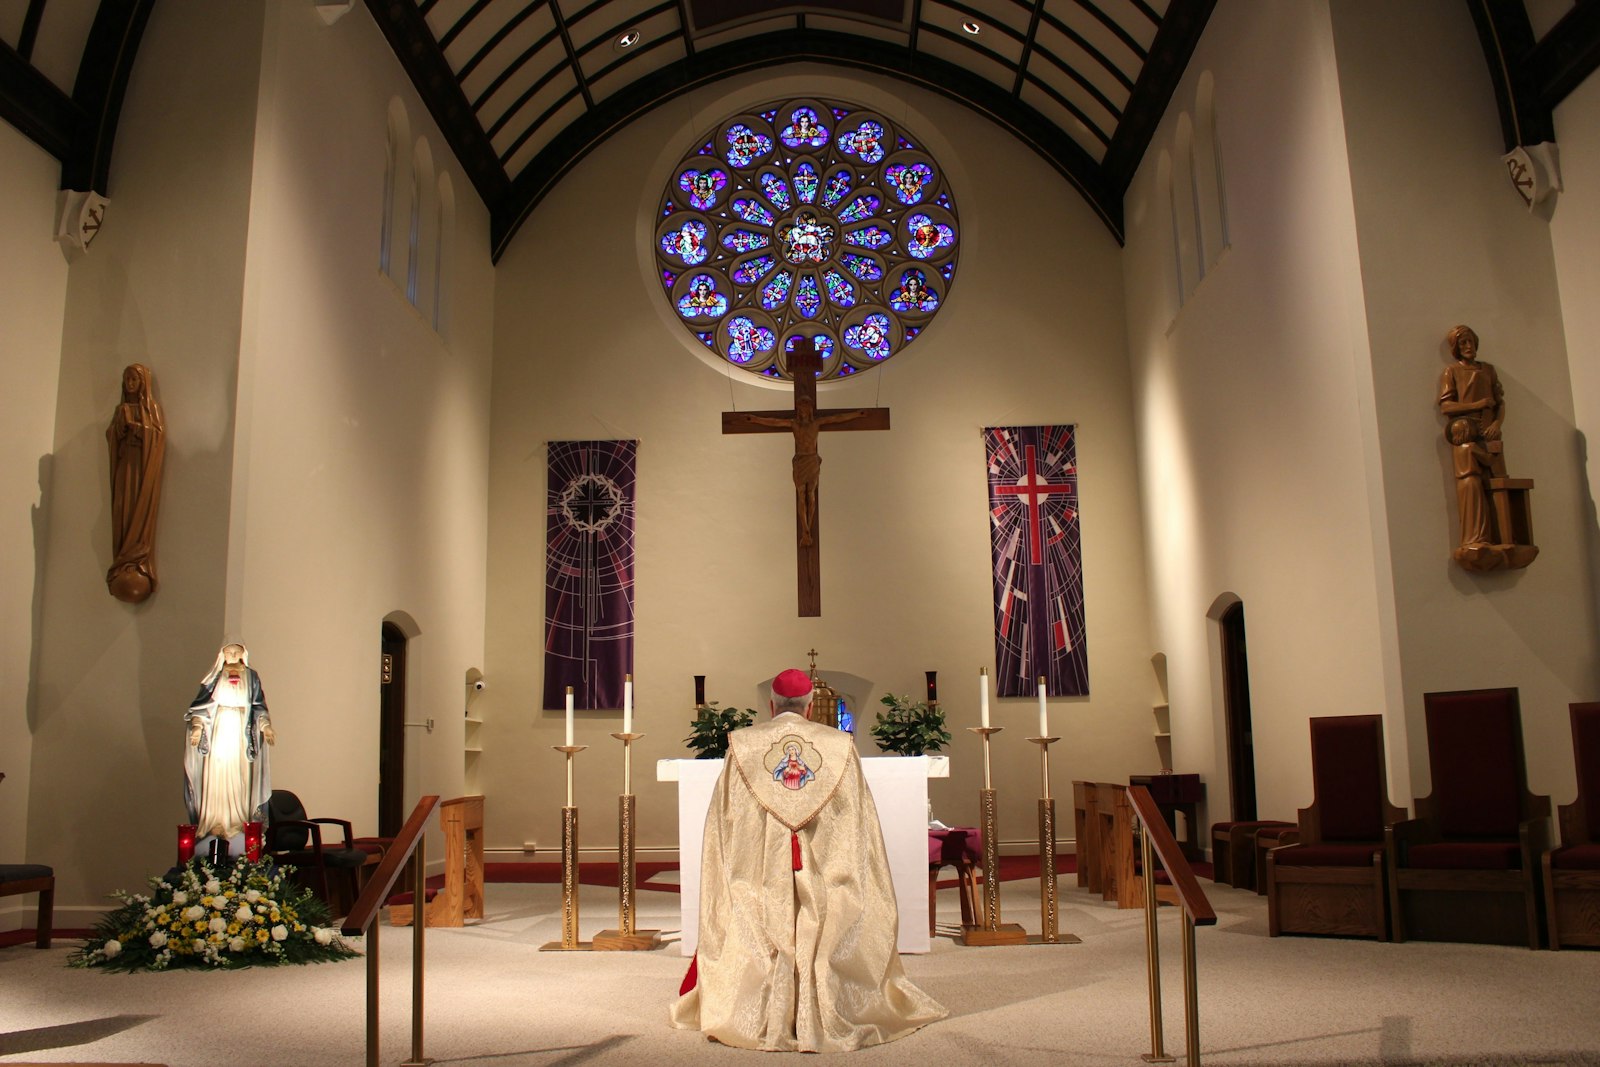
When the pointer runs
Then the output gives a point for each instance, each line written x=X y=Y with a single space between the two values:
x=494 y=1000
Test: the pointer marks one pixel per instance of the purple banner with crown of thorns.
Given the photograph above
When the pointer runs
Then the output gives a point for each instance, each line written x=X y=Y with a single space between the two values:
x=589 y=558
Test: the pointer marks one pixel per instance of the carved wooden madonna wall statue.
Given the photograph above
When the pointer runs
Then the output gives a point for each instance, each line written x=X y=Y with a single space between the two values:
x=137 y=438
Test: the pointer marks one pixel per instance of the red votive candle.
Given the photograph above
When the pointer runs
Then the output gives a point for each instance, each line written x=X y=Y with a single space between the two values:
x=252 y=841
x=933 y=686
x=699 y=690
x=186 y=834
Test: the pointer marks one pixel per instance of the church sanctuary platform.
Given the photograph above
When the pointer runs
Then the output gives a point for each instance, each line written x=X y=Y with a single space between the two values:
x=493 y=1000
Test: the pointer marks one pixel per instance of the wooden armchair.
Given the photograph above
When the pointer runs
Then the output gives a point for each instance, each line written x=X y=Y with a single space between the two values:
x=1572 y=872
x=1332 y=880
x=1466 y=868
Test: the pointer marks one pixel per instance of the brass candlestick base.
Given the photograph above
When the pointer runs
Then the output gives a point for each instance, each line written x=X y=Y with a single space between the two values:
x=990 y=930
x=626 y=938
x=1049 y=909
x=569 y=866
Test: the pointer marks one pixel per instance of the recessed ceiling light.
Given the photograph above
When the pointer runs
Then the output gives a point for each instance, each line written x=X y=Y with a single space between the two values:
x=972 y=27
x=627 y=40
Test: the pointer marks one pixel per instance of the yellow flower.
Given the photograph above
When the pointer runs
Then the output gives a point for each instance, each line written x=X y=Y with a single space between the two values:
x=262 y=935
x=233 y=928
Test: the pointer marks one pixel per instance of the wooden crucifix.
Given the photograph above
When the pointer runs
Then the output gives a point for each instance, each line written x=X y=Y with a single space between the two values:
x=804 y=422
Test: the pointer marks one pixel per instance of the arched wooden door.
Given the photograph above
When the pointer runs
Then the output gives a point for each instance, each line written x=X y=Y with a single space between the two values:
x=392 y=733
x=1236 y=702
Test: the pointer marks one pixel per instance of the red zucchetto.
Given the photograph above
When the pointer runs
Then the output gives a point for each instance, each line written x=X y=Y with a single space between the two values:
x=791 y=683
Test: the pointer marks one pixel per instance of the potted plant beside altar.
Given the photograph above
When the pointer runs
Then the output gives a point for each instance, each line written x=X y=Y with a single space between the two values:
x=910 y=727
x=708 y=732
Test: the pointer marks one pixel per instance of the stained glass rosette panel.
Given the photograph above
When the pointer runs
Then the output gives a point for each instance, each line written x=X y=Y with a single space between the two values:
x=807 y=217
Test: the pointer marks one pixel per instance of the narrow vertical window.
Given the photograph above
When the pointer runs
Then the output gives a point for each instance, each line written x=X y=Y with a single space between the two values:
x=394 y=199
x=1210 y=193
x=441 y=250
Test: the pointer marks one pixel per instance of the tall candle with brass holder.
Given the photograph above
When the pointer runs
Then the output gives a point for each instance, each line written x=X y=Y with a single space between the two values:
x=989 y=930
x=569 y=865
x=626 y=937
x=1049 y=909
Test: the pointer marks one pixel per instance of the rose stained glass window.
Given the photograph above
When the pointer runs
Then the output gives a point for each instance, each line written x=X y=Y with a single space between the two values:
x=807 y=217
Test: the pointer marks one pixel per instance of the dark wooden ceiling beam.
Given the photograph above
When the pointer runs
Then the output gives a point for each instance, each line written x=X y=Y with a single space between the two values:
x=755 y=53
x=1566 y=55
x=413 y=44
x=30 y=29
x=36 y=107
x=103 y=72
x=572 y=55
x=1174 y=44
x=1027 y=46
x=1507 y=40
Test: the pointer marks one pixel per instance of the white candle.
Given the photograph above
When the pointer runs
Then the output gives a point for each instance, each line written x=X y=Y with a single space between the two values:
x=983 y=695
x=569 y=716
x=627 y=704
x=1044 y=712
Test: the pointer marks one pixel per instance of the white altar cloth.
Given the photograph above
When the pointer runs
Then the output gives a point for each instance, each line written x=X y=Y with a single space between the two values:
x=899 y=787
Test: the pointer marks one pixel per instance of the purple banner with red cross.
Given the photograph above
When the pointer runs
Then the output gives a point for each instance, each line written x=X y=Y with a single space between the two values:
x=1038 y=560
x=588 y=596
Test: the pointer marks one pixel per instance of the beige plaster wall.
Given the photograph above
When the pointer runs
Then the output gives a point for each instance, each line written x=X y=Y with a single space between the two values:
x=326 y=462
x=362 y=436
x=1574 y=235
x=160 y=285
x=585 y=347
x=1443 y=240
x=1254 y=412
x=33 y=294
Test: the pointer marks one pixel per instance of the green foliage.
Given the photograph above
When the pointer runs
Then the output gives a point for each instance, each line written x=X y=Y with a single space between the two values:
x=910 y=727
x=711 y=726
x=248 y=913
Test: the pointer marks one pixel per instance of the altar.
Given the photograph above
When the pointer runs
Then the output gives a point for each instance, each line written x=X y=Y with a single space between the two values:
x=899 y=787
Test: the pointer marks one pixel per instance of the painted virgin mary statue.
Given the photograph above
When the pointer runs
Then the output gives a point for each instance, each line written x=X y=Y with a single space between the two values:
x=137 y=440
x=226 y=770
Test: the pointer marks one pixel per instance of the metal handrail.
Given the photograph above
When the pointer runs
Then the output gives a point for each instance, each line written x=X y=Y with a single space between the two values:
x=1156 y=841
x=362 y=921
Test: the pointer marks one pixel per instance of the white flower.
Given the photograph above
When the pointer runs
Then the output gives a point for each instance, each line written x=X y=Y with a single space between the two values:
x=244 y=914
x=180 y=898
x=113 y=948
x=217 y=925
x=324 y=935
x=199 y=944
x=280 y=932
x=252 y=895
x=158 y=939
x=236 y=944
x=194 y=913
x=213 y=887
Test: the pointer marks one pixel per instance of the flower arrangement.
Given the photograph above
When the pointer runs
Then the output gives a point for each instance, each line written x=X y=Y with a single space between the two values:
x=248 y=913
x=910 y=727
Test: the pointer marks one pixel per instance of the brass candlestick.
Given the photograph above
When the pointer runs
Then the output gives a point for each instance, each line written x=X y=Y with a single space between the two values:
x=990 y=930
x=569 y=865
x=1049 y=912
x=625 y=938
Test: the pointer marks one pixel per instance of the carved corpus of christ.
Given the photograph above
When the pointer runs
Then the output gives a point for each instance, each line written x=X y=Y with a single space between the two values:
x=805 y=421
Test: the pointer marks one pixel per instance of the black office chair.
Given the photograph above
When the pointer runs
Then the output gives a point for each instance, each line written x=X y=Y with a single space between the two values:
x=295 y=839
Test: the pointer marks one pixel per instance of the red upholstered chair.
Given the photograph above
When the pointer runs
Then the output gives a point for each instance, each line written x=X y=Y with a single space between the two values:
x=1266 y=839
x=1233 y=851
x=1572 y=872
x=1331 y=881
x=1467 y=867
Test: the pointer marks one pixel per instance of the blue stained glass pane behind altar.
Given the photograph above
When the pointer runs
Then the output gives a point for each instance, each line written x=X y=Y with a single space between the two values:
x=807 y=215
